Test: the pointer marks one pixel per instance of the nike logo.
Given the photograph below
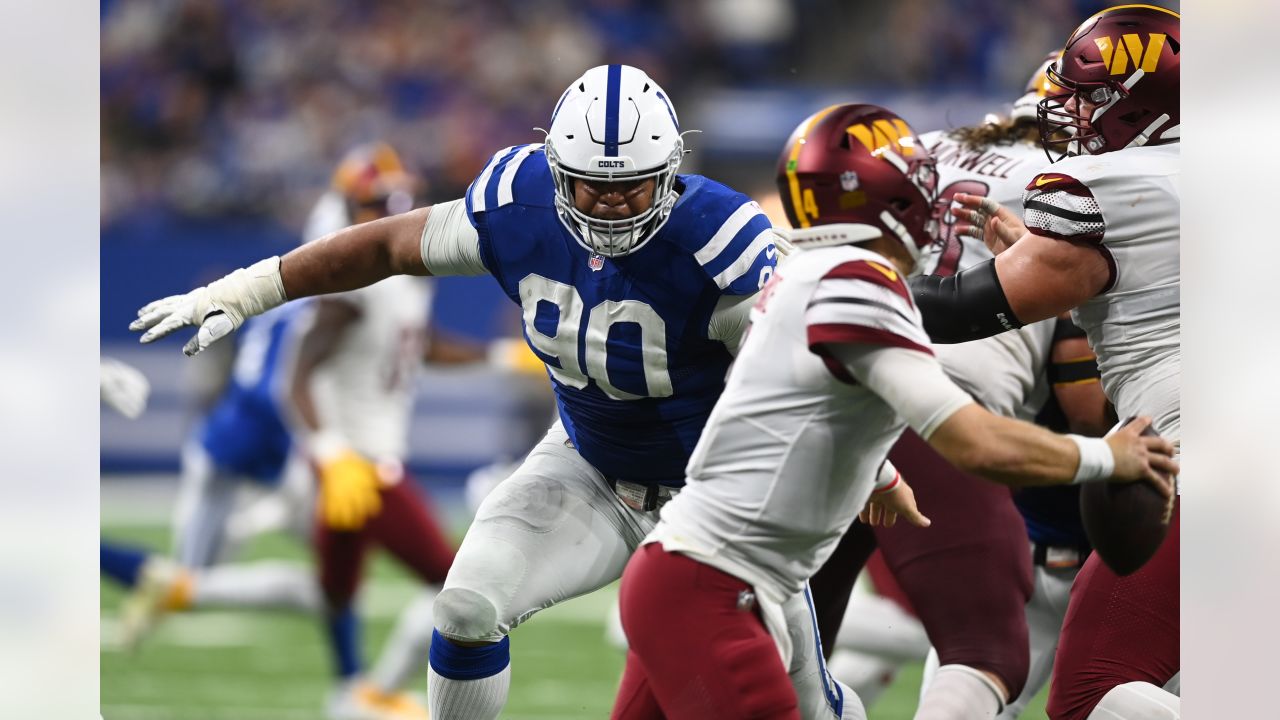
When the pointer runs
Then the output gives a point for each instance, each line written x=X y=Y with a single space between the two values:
x=1046 y=180
x=893 y=276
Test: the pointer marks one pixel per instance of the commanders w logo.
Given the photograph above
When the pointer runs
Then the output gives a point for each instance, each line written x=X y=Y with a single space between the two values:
x=883 y=135
x=1116 y=56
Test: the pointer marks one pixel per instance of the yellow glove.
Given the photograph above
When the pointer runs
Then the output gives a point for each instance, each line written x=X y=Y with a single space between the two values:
x=349 y=487
x=514 y=355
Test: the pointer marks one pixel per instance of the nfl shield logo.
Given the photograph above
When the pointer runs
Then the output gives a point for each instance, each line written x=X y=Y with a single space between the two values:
x=596 y=262
x=849 y=181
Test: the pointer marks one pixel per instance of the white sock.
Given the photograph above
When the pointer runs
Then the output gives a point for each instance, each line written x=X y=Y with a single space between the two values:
x=959 y=692
x=931 y=665
x=468 y=683
x=480 y=699
x=405 y=651
x=275 y=585
x=1137 y=701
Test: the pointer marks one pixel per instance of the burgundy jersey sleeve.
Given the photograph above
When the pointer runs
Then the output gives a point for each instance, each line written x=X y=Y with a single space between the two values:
x=1062 y=207
x=864 y=302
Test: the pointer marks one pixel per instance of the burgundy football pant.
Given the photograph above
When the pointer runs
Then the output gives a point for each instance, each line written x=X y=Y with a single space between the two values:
x=404 y=526
x=968 y=576
x=697 y=652
x=1117 y=630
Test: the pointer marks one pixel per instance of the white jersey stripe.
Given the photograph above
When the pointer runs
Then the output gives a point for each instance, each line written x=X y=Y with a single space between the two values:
x=745 y=260
x=874 y=316
x=852 y=287
x=727 y=232
x=482 y=183
x=505 y=195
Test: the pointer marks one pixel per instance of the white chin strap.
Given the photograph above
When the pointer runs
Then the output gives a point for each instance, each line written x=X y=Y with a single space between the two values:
x=831 y=235
x=917 y=253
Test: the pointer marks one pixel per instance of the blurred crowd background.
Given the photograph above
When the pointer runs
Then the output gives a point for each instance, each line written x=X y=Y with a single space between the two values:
x=222 y=119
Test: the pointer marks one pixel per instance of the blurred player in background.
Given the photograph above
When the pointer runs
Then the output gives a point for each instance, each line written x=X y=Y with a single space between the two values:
x=635 y=284
x=835 y=366
x=1100 y=238
x=351 y=395
x=338 y=374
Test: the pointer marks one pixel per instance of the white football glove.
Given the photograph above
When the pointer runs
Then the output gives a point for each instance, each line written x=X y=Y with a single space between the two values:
x=783 y=243
x=218 y=308
x=124 y=388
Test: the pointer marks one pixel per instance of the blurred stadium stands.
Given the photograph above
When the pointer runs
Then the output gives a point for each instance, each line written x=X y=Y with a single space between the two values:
x=221 y=121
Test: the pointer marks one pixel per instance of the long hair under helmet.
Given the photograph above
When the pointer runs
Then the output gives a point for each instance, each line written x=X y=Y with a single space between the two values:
x=614 y=124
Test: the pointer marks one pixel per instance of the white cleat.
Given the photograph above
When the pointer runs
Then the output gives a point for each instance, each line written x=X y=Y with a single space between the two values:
x=360 y=700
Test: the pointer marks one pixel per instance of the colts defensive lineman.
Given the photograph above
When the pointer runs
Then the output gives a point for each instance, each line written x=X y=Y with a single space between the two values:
x=635 y=284
x=836 y=365
x=1101 y=239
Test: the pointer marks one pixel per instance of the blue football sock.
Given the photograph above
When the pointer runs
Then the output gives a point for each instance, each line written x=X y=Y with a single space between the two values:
x=468 y=663
x=122 y=563
x=344 y=640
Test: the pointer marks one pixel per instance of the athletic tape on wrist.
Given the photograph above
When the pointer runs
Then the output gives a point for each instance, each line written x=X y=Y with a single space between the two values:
x=249 y=291
x=1096 y=460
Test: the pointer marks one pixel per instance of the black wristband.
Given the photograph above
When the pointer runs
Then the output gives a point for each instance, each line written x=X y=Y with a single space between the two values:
x=969 y=305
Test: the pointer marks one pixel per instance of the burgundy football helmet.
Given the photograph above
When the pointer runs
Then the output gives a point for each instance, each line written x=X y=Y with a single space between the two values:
x=851 y=173
x=1119 y=73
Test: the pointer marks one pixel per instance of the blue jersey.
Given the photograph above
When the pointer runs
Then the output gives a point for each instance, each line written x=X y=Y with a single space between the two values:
x=245 y=432
x=625 y=339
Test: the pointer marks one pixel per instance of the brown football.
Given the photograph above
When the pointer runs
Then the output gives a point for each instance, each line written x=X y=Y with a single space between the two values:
x=1125 y=522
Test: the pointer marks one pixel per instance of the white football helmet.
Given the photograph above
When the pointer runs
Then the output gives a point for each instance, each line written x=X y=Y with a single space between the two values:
x=614 y=124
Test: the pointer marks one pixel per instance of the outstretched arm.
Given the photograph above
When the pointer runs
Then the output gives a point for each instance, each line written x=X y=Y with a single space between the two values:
x=1034 y=277
x=348 y=259
x=1010 y=452
x=357 y=256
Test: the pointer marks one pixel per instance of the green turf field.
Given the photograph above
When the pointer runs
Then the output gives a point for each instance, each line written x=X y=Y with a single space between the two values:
x=268 y=666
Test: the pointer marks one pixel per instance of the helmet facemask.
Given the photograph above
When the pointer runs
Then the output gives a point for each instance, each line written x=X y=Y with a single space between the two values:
x=614 y=238
x=906 y=213
x=1070 y=131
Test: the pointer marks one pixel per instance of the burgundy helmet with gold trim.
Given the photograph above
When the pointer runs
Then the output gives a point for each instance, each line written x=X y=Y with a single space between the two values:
x=1120 y=80
x=850 y=173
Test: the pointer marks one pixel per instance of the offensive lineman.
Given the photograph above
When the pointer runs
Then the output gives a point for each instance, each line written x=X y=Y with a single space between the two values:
x=635 y=284
x=1101 y=239
x=835 y=366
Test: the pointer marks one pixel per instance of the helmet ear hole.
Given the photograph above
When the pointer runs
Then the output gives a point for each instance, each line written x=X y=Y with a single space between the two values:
x=1134 y=117
x=900 y=204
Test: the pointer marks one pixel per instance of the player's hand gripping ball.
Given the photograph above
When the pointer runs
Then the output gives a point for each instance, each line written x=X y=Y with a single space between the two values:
x=1125 y=522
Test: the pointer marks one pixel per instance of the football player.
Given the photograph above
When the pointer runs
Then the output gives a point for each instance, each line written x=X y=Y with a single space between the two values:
x=635 y=284
x=351 y=396
x=1100 y=238
x=338 y=377
x=970 y=584
x=835 y=366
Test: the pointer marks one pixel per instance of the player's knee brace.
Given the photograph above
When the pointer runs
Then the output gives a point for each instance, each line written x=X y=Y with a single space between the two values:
x=462 y=614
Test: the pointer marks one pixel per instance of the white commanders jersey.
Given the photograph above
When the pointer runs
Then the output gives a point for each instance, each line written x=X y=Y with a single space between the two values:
x=364 y=391
x=791 y=452
x=1127 y=203
x=1000 y=172
x=1005 y=373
